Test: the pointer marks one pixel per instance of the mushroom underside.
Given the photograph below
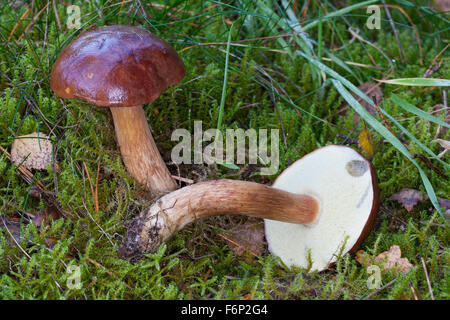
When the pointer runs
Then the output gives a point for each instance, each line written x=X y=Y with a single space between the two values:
x=345 y=185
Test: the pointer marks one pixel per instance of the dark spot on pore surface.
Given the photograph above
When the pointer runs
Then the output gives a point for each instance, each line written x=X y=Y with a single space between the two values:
x=356 y=168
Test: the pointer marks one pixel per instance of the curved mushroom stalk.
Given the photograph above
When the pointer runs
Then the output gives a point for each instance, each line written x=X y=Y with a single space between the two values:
x=139 y=151
x=175 y=210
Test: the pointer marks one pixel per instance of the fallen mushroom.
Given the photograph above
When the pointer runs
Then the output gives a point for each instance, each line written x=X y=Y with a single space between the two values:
x=33 y=151
x=322 y=205
x=122 y=67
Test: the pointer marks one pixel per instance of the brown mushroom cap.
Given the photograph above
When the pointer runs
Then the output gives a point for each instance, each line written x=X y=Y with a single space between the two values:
x=118 y=66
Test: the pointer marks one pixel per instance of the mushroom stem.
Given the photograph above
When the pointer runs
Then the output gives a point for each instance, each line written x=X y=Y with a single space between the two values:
x=139 y=151
x=173 y=211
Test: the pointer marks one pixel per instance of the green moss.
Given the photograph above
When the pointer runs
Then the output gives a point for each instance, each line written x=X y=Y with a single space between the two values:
x=268 y=88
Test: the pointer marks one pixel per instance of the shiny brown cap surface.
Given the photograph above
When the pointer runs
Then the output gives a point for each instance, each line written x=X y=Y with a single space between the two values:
x=116 y=66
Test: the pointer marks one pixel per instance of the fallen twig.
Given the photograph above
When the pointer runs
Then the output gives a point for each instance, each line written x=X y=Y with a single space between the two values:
x=33 y=21
x=20 y=21
x=379 y=289
x=428 y=279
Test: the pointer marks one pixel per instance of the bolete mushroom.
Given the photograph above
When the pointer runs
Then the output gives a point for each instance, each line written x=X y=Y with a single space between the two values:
x=322 y=205
x=122 y=67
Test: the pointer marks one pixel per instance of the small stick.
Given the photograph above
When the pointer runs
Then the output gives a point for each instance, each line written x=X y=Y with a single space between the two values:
x=355 y=64
x=186 y=180
x=444 y=97
x=238 y=245
x=357 y=36
x=347 y=140
x=413 y=291
x=391 y=22
x=90 y=183
x=430 y=68
x=26 y=174
x=379 y=289
x=206 y=275
x=96 y=188
x=56 y=16
x=14 y=239
x=33 y=21
x=98 y=265
x=305 y=11
x=382 y=116
x=429 y=164
x=428 y=279
x=373 y=60
x=294 y=7
x=161 y=6
x=416 y=32
x=18 y=22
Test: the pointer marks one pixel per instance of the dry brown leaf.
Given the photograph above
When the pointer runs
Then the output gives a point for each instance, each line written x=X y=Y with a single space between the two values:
x=247 y=296
x=408 y=198
x=444 y=203
x=444 y=144
x=50 y=241
x=248 y=237
x=44 y=216
x=363 y=258
x=441 y=5
x=392 y=260
x=35 y=192
x=10 y=227
x=33 y=151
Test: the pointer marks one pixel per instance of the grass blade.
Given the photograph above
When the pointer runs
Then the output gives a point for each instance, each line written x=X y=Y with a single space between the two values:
x=390 y=137
x=358 y=92
x=338 y=82
x=418 y=112
x=338 y=13
x=222 y=100
x=419 y=82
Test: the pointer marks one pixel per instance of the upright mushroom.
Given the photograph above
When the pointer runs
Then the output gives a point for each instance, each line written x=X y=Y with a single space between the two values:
x=322 y=205
x=122 y=67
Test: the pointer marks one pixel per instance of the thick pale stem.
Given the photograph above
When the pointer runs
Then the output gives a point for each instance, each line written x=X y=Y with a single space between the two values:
x=139 y=151
x=176 y=209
